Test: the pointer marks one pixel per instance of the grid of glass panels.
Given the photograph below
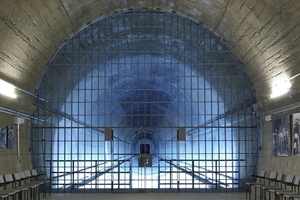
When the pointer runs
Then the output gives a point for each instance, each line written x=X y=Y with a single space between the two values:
x=147 y=79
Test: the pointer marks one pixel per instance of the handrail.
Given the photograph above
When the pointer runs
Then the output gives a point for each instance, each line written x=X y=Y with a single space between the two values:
x=188 y=168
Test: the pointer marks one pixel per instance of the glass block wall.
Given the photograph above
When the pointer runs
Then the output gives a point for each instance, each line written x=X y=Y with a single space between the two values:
x=145 y=99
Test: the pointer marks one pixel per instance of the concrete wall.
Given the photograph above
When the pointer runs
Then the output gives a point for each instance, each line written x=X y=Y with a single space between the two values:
x=9 y=160
x=269 y=162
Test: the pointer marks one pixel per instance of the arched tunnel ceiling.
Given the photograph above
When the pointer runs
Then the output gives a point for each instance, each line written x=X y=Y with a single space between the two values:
x=264 y=34
x=130 y=65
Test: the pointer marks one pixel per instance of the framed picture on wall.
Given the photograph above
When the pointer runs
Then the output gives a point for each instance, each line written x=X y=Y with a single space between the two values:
x=282 y=136
x=295 y=133
x=3 y=137
x=10 y=137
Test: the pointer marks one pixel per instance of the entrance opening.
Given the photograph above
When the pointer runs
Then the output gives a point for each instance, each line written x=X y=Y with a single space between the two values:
x=147 y=76
x=144 y=148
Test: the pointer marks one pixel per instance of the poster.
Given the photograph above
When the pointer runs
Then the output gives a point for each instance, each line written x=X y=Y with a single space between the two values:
x=282 y=136
x=3 y=137
x=295 y=133
x=10 y=137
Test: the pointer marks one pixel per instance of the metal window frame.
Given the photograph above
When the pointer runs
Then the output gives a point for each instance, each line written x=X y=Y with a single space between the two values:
x=205 y=66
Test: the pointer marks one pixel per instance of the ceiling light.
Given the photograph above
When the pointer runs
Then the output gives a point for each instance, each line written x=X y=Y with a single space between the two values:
x=281 y=89
x=7 y=89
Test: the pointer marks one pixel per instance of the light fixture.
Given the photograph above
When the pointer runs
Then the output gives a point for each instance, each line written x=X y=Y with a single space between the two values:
x=281 y=89
x=7 y=89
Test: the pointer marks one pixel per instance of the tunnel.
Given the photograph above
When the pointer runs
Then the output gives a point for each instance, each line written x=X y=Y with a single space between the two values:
x=145 y=79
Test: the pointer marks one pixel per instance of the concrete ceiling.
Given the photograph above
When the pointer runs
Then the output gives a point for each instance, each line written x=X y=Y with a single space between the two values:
x=264 y=34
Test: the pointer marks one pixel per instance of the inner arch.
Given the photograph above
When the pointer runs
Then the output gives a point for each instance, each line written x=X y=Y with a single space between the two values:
x=145 y=75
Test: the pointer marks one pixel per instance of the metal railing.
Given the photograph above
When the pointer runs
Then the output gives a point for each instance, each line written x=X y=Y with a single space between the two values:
x=77 y=174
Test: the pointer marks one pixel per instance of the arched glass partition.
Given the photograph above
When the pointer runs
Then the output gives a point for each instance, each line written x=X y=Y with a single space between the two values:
x=145 y=99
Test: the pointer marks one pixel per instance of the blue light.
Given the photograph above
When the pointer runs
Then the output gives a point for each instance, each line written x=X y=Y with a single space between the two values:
x=144 y=81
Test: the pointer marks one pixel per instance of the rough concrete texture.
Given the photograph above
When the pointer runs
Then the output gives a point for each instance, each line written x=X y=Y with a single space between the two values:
x=264 y=34
x=9 y=160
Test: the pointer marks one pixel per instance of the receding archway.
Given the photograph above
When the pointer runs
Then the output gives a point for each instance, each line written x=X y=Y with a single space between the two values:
x=145 y=74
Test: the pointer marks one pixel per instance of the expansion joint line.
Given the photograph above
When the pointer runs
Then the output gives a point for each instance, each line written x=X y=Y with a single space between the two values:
x=222 y=15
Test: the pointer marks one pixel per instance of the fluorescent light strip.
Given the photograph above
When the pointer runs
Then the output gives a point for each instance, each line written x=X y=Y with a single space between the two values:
x=7 y=89
x=281 y=89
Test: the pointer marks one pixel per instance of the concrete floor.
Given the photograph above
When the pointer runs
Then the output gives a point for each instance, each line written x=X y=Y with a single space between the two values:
x=148 y=196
